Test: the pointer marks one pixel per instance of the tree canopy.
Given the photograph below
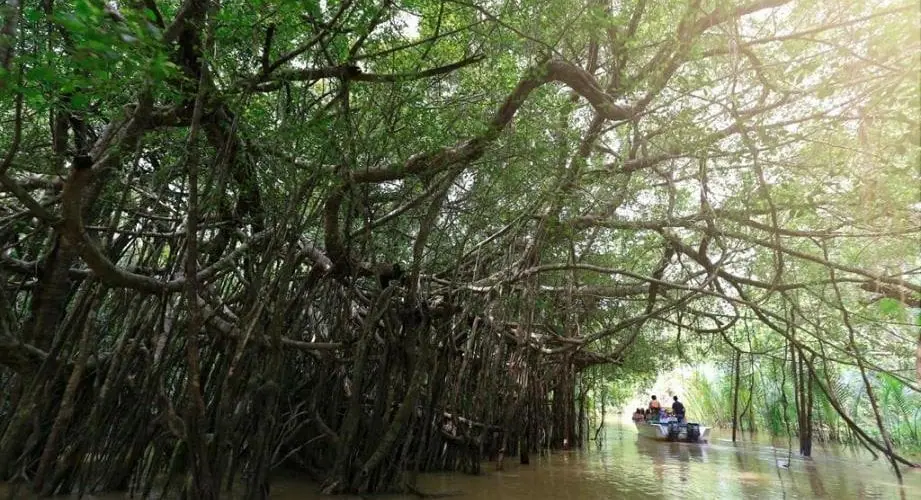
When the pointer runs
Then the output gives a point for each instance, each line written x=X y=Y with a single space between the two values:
x=233 y=228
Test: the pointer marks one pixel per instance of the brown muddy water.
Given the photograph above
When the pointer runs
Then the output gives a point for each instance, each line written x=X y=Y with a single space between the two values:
x=628 y=466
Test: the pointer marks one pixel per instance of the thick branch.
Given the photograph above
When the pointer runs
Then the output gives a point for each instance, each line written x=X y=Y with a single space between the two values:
x=353 y=73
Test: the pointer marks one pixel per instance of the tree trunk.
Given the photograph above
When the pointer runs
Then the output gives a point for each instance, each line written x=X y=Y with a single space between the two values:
x=563 y=409
x=735 y=395
x=806 y=430
x=581 y=436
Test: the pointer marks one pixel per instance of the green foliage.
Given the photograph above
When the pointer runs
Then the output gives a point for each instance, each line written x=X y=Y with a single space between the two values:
x=900 y=405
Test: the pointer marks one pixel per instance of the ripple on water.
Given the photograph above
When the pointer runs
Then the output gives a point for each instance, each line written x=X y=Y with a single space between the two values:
x=629 y=467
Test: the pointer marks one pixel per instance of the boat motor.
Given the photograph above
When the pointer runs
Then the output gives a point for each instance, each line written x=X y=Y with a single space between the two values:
x=673 y=431
x=693 y=432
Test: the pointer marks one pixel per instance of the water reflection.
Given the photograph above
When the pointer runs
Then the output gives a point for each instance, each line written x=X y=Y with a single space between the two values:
x=627 y=466
x=815 y=479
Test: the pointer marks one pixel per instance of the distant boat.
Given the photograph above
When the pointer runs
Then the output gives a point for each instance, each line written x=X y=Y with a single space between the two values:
x=673 y=431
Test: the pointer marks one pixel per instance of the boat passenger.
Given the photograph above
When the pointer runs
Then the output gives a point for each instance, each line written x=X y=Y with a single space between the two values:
x=678 y=408
x=654 y=405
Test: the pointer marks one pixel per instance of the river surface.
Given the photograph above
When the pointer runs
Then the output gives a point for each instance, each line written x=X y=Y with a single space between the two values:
x=628 y=466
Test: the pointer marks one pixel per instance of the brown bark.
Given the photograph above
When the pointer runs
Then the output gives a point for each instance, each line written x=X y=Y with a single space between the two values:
x=66 y=411
x=735 y=394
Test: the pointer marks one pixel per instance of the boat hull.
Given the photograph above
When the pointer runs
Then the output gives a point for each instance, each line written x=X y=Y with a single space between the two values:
x=671 y=432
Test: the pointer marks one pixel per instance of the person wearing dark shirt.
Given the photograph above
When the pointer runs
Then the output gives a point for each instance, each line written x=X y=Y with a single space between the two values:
x=678 y=409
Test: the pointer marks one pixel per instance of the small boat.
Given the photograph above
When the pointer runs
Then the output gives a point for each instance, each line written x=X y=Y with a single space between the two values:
x=673 y=431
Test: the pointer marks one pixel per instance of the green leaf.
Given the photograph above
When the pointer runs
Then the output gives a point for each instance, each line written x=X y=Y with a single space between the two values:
x=891 y=307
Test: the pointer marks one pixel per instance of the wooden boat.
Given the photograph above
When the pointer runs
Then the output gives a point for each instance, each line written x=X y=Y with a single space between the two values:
x=673 y=431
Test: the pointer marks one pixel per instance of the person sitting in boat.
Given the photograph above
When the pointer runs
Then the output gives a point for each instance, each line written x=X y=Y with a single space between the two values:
x=665 y=415
x=678 y=408
x=639 y=415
